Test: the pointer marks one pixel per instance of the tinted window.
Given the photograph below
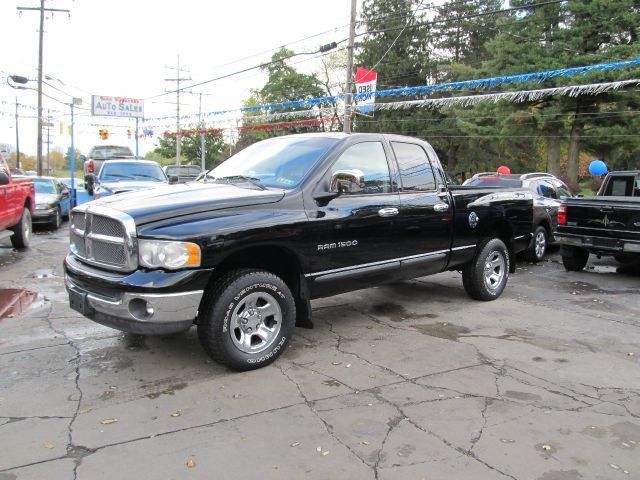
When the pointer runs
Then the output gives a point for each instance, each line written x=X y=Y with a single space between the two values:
x=493 y=182
x=368 y=158
x=620 y=186
x=415 y=170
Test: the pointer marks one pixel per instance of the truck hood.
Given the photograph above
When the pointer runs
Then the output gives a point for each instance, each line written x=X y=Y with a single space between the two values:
x=171 y=201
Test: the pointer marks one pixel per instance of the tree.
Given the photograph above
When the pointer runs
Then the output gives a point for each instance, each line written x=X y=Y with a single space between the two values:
x=284 y=84
x=564 y=35
x=191 y=147
x=67 y=158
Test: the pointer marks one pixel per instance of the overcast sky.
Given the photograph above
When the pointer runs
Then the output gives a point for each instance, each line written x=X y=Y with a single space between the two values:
x=121 y=48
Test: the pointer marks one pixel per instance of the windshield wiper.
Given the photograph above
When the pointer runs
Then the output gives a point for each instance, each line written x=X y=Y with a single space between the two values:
x=242 y=178
x=144 y=175
x=118 y=175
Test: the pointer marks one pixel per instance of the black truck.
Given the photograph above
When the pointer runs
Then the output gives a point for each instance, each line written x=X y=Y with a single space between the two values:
x=605 y=225
x=241 y=252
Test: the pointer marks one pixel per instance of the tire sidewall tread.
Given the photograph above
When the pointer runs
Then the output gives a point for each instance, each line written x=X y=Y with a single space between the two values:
x=473 y=273
x=213 y=321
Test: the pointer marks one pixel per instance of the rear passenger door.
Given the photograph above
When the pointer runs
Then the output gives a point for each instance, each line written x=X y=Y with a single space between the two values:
x=422 y=233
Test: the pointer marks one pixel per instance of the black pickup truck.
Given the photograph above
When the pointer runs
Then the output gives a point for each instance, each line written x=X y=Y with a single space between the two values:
x=605 y=225
x=241 y=252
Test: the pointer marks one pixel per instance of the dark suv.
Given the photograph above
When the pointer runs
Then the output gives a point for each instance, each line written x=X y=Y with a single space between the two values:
x=548 y=191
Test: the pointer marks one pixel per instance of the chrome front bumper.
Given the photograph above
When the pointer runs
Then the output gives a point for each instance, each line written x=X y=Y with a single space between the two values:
x=142 y=313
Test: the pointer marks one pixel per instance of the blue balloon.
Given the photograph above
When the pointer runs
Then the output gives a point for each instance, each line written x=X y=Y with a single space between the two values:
x=597 y=167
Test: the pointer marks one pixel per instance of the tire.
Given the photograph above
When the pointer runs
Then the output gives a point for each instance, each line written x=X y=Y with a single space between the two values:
x=240 y=304
x=57 y=220
x=576 y=260
x=539 y=245
x=21 y=237
x=485 y=277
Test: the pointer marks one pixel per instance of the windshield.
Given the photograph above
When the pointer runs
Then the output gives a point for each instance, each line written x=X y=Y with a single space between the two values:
x=105 y=152
x=44 y=186
x=117 y=171
x=278 y=162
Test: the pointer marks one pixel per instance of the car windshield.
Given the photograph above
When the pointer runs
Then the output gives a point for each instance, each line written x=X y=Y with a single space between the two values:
x=105 y=152
x=117 y=171
x=44 y=186
x=494 y=182
x=278 y=162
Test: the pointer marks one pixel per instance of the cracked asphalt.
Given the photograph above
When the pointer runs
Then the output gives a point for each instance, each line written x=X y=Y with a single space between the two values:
x=406 y=381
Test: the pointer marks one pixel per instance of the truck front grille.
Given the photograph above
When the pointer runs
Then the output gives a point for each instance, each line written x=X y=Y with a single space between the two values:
x=104 y=237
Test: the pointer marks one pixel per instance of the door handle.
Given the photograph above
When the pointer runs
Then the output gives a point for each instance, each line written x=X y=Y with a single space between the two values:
x=388 y=212
x=441 y=207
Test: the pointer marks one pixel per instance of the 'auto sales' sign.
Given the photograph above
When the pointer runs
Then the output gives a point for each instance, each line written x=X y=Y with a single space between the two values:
x=117 y=106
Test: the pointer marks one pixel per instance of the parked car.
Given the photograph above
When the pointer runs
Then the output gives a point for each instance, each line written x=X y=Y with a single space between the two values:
x=97 y=155
x=185 y=173
x=31 y=173
x=52 y=202
x=242 y=252
x=17 y=199
x=548 y=192
x=119 y=176
x=605 y=225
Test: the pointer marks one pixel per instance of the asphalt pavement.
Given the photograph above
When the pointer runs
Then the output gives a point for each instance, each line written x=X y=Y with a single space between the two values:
x=406 y=381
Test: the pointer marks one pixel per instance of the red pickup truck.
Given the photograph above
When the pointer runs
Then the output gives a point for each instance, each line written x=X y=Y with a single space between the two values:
x=17 y=200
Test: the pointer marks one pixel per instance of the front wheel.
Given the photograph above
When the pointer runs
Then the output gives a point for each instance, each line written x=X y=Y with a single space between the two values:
x=21 y=237
x=247 y=319
x=57 y=219
x=487 y=274
x=538 y=247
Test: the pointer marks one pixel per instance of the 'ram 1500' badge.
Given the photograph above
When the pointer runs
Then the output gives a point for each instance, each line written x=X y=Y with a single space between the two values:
x=473 y=219
x=331 y=246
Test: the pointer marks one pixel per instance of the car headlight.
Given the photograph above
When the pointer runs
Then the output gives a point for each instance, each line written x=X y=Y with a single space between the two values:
x=167 y=254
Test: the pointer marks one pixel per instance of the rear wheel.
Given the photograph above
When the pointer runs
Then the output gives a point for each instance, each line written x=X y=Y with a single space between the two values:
x=486 y=276
x=21 y=237
x=574 y=259
x=247 y=319
x=538 y=247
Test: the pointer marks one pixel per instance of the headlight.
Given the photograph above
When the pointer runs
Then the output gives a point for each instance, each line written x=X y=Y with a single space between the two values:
x=165 y=254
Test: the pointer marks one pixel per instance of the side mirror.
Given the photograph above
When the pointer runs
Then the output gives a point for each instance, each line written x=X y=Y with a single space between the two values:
x=173 y=179
x=347 y=181
x=4 y=178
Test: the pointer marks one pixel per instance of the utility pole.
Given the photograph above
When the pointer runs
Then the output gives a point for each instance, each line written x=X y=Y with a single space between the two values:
x=48 y=141
x=17 y=137
x=42 y=10
x=346 y=124
x=202 y=152
x=178 y=79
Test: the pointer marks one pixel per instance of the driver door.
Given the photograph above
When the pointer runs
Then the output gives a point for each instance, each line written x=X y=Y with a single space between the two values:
x=352 y=242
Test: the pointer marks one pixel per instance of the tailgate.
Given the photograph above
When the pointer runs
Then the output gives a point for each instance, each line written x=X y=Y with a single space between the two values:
x=612 y=217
